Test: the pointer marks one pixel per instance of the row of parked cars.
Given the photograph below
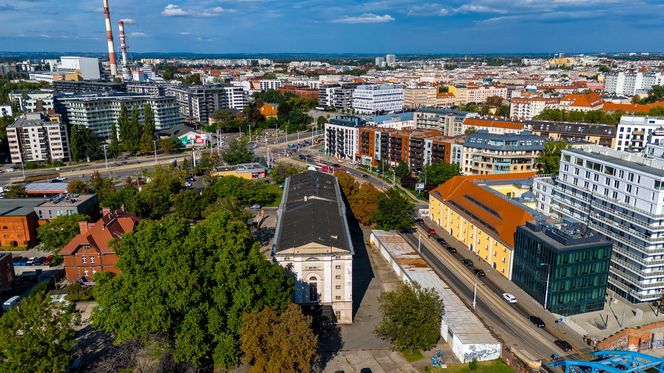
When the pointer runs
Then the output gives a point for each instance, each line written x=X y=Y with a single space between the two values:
x=32 y=261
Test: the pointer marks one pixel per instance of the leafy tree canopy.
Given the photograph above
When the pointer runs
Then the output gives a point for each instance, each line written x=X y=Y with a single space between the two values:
x=411 y=317
x=191 y=284
x=238 y=152
x=16 y=191
x=394 y=211
x=549 y=159
x=438 y=173
x=59 y=231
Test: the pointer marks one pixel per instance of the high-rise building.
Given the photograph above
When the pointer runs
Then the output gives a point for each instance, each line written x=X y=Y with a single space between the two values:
x=100 y=113
x=87 y=67
x=338 y=96
x=30 y=102
x=633 y=132
x=198 y=103
x=380 y=62
x=378 y=99
x=34 y=138
x=564 y=267
x=341 y=136
x=390 y=60
x=631 y=83
x=619 y=195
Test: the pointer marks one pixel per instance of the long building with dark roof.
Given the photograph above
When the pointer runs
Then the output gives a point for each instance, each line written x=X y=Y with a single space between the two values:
x=487 y=153
x=313 y=240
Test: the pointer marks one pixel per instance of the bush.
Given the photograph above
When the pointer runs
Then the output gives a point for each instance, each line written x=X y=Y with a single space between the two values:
x=77 y=292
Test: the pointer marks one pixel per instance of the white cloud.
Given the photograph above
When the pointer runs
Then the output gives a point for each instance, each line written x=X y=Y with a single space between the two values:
x=185 y=33
x=475 y=8
x=172 y=10
x=138 y=34
x=128 y=21
x=365 y=18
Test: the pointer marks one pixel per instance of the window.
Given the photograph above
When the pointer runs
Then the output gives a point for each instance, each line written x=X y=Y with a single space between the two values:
x=338 y=287
x=313 y=289
x=85 y=260
x=92 y=260
x=337 y=277
x=337 y=266
x=337 y=297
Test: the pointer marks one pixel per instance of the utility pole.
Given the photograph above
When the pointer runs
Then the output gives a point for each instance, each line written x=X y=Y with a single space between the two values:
x=105 y=157
x=154 y=142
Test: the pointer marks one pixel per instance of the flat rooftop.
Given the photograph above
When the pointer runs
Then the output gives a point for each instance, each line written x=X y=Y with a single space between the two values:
x=460 y=320
x=19 y=206
x=46 y=188
x=635 y=161
x=68 y=200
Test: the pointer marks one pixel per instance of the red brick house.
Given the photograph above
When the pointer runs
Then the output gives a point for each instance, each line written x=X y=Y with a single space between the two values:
x=89 y=252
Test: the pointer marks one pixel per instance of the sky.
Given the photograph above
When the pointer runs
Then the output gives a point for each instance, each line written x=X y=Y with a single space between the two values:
x=337 y=26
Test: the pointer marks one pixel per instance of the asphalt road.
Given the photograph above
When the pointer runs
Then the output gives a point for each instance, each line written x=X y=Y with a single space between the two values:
x=509 y=321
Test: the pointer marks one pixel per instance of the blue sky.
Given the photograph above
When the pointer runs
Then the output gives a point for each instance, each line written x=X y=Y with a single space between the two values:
x=337 y=26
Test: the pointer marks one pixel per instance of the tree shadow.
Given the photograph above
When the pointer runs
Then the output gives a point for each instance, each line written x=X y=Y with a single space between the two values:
x=324 y=325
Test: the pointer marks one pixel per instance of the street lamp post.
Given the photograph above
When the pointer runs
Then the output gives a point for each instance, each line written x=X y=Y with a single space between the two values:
x=154 y=142
x=548 y=276
x=105 y=156
x=475 y=291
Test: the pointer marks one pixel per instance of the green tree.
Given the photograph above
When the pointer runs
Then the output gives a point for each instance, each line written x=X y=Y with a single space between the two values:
x=246 y=192
x=114 y=146
x=188 y=204
x=123 y=125
x=168 y=145
x=402 y=169
x=55 y=234
x=203 y=278
x=104 y=187
x=148 y=133
x=282 y=171
x=16 y=191
x=411 y=317
x=133 y=132
x=549 y=159
x=77 y=187
x=37 y=336
x=263 y=335
x=364 y=203
x=655 y=94
x=238 y=152
x=438 y=173
x=394 y=211
x=269 y=76
x=84 y=144
x=503 y=111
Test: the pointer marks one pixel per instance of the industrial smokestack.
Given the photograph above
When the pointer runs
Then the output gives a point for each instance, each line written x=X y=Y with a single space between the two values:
x=123 y=48
x=109 y=39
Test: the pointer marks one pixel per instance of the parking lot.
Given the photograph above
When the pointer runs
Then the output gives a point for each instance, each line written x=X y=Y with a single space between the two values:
x=31 y=267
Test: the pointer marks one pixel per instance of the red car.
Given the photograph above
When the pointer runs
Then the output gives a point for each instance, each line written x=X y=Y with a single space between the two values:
x=431 y=231
x=48 y=260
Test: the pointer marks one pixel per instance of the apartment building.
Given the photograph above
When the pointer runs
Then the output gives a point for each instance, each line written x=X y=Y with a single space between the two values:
x=448 y=122
x=581 y=102
x=564 y=266
x=269 y=84
x=100 y=113
x=631 y=83
x=147 y=89
x=34 y=138
x=530 y=107
x=472 y=210
x=467 y=93
x=377 y=99
x=634 y=132
x=319 y=255
x=487 y=153
x=85 y=86
x=419 y=97
x=30 y=102
x=598 y=134
x=492 y=125
x=619 y=195
x=342 y=136
x=198 y=103
x=338 y=96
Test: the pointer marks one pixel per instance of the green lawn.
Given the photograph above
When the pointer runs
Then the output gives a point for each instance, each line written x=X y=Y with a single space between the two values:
x=412 y=356
x=494 y=366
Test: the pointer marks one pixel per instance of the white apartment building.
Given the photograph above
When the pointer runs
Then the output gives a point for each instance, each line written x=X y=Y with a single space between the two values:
x=266 y=84
x=634 y=132
x=449 y=122
x=631 y=83
x=31 y=102
x=465 y=94
x=6 y=111
x=33 y=138
x=198 y=103
x=342 y=136
x=390 y=60
x=530 y=107
x=418 y=97
x=100 y=113
x=378 y=99
x=621 y=196
x=338 y=96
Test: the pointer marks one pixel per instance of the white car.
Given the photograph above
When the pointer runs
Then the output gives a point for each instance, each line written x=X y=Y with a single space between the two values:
x=30 y=261
x=11 y=169
x=509 y=298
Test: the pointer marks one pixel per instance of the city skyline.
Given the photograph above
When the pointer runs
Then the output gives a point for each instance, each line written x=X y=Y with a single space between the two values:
x=399 y=26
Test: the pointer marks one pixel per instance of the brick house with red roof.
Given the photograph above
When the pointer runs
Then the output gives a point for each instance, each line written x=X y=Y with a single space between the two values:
x=90 y=251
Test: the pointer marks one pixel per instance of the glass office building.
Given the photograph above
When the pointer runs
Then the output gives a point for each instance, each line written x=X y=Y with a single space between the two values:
x=564 y=267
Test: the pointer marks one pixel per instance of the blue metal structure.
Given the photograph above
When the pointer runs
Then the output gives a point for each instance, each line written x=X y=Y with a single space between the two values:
x=613 y=361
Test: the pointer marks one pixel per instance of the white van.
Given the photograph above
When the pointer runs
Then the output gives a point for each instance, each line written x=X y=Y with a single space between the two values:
x=11 y=303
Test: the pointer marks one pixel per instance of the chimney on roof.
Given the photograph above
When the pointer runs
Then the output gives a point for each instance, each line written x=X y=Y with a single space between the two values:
x=84 y=226
x=105 y=211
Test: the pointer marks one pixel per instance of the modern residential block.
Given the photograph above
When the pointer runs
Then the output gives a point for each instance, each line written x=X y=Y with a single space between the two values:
x=487 y=153
x=198 y=103
x=377 y=99
x=341 y=136
x=34 y=138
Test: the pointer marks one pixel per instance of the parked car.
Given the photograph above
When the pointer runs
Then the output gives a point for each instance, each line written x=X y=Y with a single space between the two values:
x=537 y=321
x=16 y=259
x=11 y=303
x=479 y=273
x=38 y=261
x=407 y=230
x=441 y=241
x=509 y=298
x=255 y=206
x=564 y=345
x=419 y=221
x=30 y=261
x=365 y=176
x=451 y=249
x=431 y=231
x=21 y=262
x=11 y=169
x=48 y=260
x=467 y=262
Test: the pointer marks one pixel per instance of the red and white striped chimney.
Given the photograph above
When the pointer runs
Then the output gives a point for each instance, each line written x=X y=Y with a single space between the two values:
x=123 y=48
x=109 y=39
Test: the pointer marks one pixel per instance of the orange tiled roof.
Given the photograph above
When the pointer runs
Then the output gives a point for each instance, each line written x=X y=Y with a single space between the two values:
x=493 y=122
x=586 y=100
x=100 y=234
x=487 y=210
x=632 y=108
x=268 y=110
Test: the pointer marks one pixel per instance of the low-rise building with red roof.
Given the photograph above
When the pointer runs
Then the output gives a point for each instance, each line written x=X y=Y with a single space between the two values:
x=90 y=251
